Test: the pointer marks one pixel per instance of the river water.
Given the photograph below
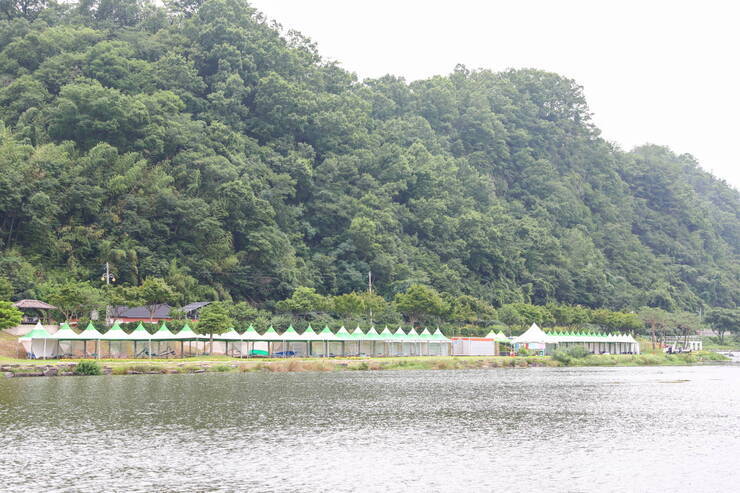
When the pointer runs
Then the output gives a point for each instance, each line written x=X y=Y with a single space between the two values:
x=537 y=429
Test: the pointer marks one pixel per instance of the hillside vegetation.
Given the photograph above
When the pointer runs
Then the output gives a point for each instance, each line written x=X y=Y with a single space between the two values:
x=199 y=143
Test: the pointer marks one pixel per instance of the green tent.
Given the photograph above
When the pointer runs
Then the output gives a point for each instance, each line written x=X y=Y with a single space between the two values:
x=65 y=333
x=327 y=335
x=372 y=334
x=163 y=333
x=343 y=334
x=140 y=334
x=290 y=334
x=186 y=334
x=116 y=333
x=270 y=335
x=250 y=334
x=386 y=335
x=310 y=335
x=413 y=335
x=90 y=333
x=400 y=335
x=358 y=334
x=438 y=335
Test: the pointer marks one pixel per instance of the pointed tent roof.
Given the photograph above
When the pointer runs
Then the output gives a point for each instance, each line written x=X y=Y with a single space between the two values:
x=250 y=334
x=439 y=335
x=326 y=334
x=270 y=335
x=38 y=332
x=386 y=334
x=358 y=333
x=229 y=335
x=343 y=334
x=65 y=333
x=310 y=335
x=413 y=335
x=492 y=335
x=163 y=333
x=533 y=335
x=372 y=334
x=185 y=334
x=290 y=334
x=115 y=333
x=425 y=334
x=90 y=333
x=399 y=334
x=139 y=334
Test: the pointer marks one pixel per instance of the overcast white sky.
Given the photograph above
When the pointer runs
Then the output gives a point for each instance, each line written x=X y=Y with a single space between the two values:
x=664 y=72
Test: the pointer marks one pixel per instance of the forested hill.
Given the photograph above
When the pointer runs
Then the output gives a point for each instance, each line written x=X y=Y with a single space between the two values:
x=198 y=143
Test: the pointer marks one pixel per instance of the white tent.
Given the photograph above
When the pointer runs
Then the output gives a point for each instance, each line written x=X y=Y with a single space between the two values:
x=533 y=335
x=39 y=343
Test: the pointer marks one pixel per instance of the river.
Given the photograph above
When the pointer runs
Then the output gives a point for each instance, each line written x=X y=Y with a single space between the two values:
x=535 y=429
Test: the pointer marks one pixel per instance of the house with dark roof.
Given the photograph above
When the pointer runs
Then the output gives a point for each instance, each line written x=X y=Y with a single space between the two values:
x=161 y=312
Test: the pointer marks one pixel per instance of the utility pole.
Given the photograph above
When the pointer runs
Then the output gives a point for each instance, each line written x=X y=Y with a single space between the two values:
x=370 y=290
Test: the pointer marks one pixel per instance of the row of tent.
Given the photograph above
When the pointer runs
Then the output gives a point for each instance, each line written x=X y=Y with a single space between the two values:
x=536 y=335
x=163 y=333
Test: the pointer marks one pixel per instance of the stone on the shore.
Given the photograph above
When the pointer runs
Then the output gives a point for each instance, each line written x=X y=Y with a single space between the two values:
x=51 y=372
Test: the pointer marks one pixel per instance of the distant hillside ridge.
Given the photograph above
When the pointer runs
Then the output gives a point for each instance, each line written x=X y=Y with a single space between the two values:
x=197 y=141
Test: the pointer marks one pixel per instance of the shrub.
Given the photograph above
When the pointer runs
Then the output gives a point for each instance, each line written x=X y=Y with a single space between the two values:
x=522 y=351
x=566 y=356
x=87 y=368
x=577 y=352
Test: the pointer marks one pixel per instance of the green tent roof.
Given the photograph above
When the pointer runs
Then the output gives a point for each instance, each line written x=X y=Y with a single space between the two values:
x=186 y=334
x=358 y=333
x=413 y=335
x=310 y=335
x=163 y=333
x=38 y=332
x=438 y=335
x=425 y=334
x=372 y=334
x=116 y=333
x=343 y=333
x=139 y=333
x=229 y=335
x=250 y=333
x=90 y=333
x=399 y=335
x=290 y=333
x=326 y=333
x=65 y=332
x=386 y=334
x=271 y=334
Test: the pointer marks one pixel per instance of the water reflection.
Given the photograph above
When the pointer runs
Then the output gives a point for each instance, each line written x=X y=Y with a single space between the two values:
x=625 y=429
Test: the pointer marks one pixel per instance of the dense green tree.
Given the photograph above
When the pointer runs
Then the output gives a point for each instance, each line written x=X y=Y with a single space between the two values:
x=6 y=289
x=421 y=304
x=214 y=319
x=724 y=320
x=303 y=302
x=74 y=300
x=10 y=316
x=153 y=292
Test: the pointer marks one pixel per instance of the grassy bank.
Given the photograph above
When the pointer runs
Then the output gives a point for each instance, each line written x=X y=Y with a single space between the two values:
x=15 y=367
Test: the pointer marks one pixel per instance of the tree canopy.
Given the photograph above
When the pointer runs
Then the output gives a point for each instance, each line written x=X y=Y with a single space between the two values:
x=196 y=142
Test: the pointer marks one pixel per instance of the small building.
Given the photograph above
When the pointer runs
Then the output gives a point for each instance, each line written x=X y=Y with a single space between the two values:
x=474 y=346
x=679 y=344
x=34 y=311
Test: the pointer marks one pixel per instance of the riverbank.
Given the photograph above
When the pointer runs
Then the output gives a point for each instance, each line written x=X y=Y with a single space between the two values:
x=19 y=368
